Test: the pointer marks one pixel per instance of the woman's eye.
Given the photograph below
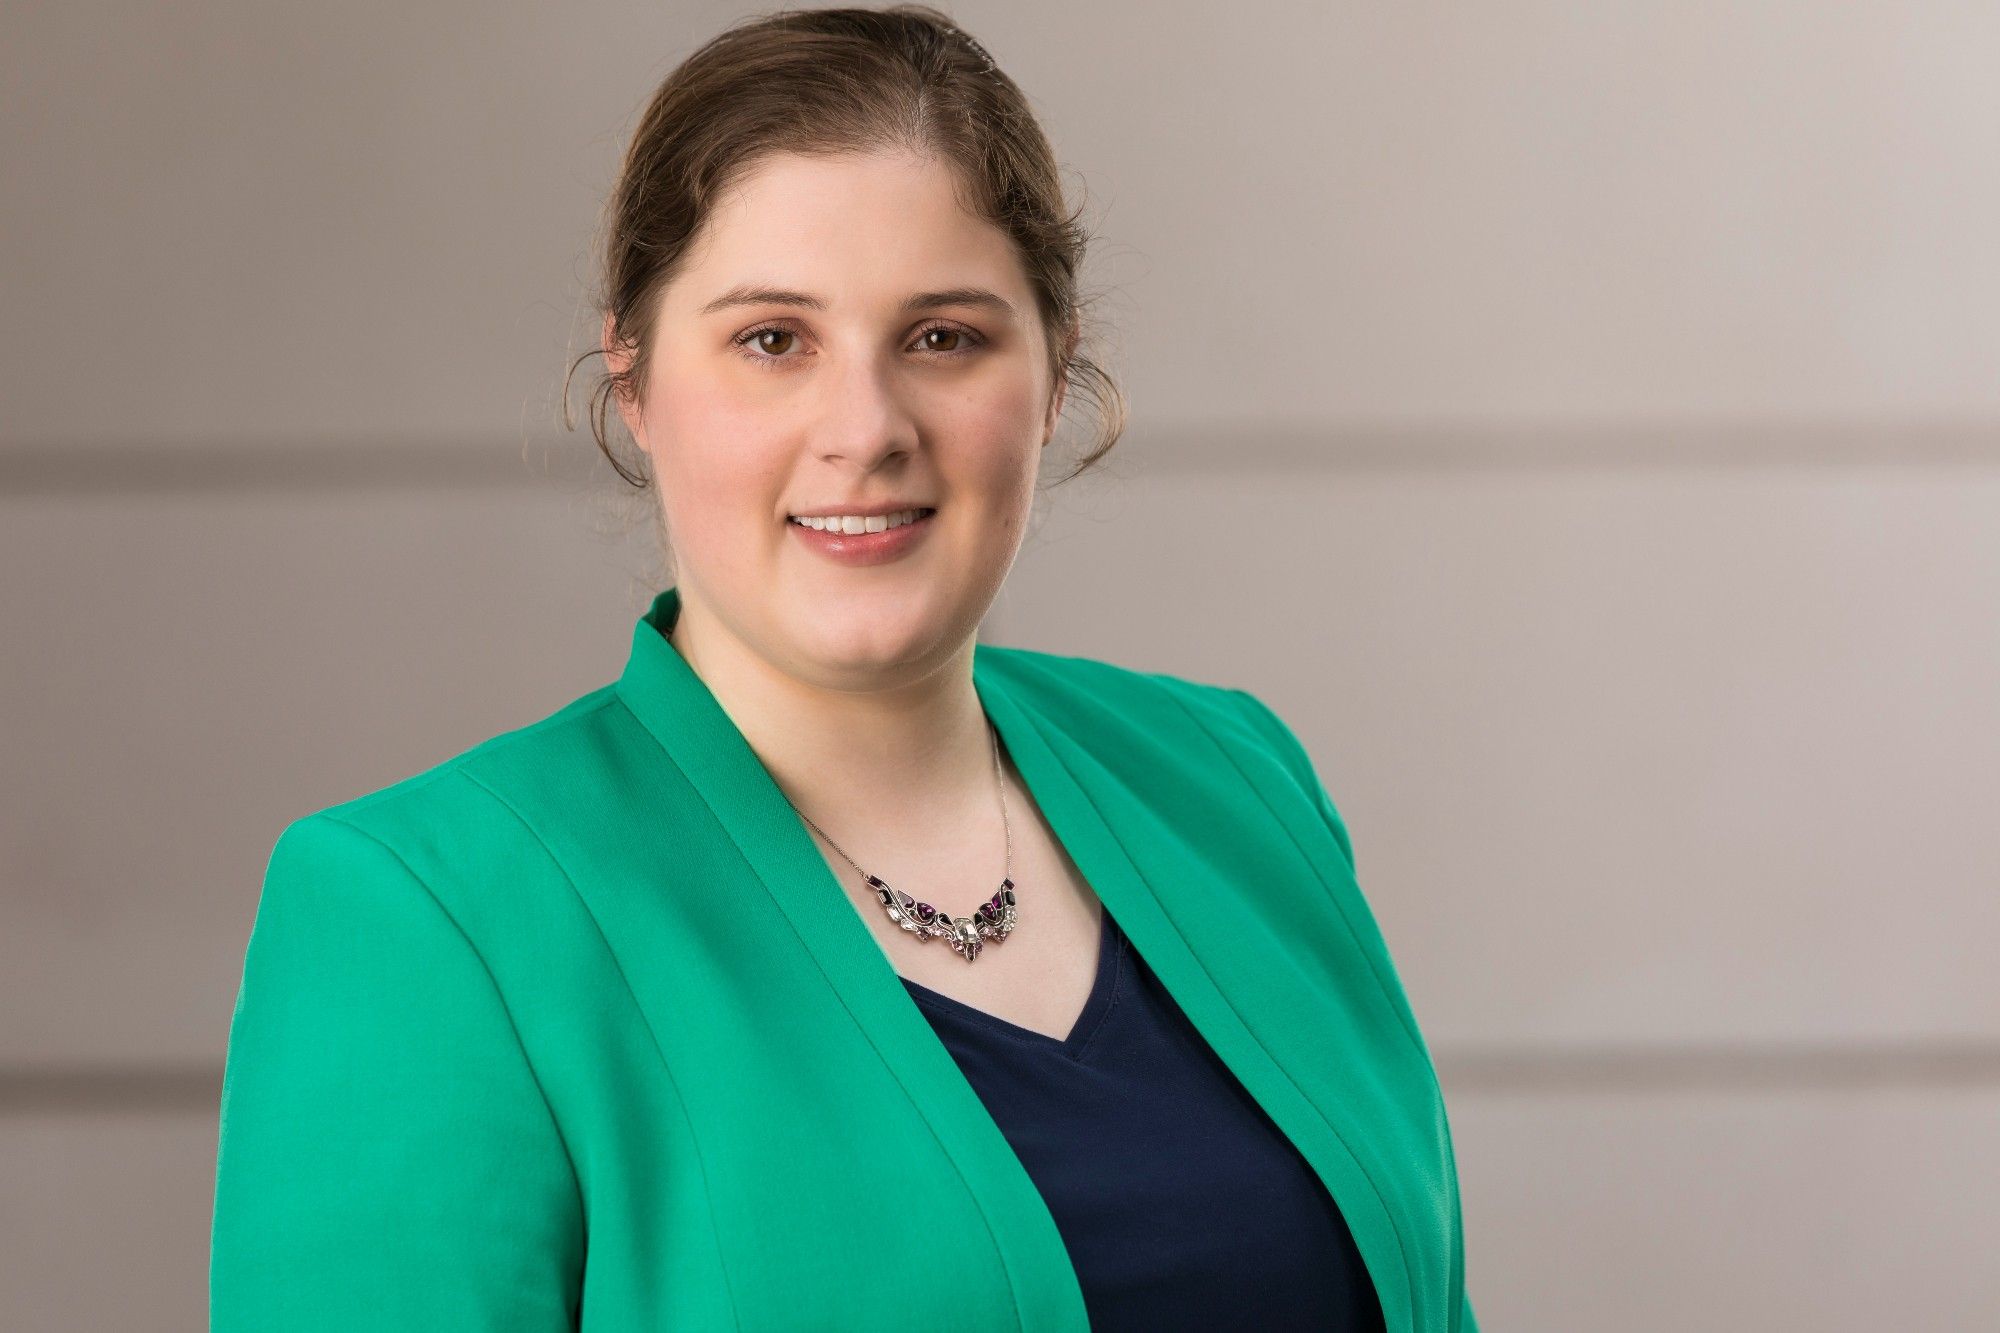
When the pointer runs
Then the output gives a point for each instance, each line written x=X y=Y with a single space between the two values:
x=774 y=342
x=959 y=341
x=760 y=335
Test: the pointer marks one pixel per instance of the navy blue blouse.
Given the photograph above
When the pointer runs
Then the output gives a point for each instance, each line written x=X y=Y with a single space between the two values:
x=1181 y=1204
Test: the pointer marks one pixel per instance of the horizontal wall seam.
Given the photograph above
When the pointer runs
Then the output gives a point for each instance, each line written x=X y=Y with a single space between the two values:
x=1468 y=1070
x=116 y=467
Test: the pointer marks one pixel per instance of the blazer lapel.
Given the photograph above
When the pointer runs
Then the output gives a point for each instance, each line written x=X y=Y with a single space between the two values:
x=699 y=736
x=1073 y=792
x=717 y=759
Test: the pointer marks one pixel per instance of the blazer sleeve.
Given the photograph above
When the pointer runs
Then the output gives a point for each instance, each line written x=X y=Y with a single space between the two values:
x=1293 y=753
x=386 y=1158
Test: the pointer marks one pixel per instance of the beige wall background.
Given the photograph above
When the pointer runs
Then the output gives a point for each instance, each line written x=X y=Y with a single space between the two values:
x=1581 y=421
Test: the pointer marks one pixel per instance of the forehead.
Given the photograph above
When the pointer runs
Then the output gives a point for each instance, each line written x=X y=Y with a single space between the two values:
x=851 y=227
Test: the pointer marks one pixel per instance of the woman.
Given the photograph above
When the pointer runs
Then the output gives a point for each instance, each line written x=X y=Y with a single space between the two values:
x=831 y=969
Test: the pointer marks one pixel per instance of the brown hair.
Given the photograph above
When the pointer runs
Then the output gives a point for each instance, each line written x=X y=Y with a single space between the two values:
x=825 y=82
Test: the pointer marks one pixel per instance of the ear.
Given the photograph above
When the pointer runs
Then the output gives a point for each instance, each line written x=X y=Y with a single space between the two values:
x=618 y=360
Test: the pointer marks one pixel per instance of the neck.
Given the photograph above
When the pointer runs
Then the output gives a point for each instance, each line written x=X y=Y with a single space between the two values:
x=881 y=762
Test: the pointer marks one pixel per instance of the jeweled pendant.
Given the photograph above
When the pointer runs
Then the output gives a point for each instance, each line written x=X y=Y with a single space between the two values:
x=967 y=935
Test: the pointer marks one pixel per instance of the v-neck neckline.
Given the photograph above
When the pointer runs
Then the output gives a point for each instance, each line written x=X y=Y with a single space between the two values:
x=1091 y=814
x=1096 y=1007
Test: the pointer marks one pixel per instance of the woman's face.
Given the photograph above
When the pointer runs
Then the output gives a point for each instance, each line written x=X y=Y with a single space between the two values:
x=845 y=337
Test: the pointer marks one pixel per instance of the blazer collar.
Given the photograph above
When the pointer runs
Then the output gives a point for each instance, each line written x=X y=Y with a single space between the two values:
x=680 y=711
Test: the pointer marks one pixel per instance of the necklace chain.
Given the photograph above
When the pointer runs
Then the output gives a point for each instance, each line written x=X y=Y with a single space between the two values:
x=993 y=919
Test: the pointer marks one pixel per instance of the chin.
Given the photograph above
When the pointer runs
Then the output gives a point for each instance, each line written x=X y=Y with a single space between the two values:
x=871 y=641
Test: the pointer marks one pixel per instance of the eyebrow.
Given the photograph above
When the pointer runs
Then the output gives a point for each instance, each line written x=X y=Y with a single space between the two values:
x=949 y=296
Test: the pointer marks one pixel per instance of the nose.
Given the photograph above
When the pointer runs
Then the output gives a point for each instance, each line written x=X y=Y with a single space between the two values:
x=864 y=422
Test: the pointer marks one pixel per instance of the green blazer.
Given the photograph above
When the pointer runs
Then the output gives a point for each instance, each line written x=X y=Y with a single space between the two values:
x=577 y=1029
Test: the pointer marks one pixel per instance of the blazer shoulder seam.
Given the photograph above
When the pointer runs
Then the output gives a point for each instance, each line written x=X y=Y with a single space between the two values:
x=499 y=995
x=575 y=711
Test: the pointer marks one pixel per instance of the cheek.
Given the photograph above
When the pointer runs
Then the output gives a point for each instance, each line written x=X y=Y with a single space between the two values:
x=1003 y=419
x=1008 y=433
x=994 y=489
x=709 y=444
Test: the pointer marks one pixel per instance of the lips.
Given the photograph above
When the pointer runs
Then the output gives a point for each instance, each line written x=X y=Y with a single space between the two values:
x=865 y=548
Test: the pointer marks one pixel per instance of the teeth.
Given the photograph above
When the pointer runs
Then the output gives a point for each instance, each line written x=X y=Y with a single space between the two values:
x=855 y=523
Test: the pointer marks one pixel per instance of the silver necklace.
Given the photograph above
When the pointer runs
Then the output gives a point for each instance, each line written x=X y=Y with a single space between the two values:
x=993 y=919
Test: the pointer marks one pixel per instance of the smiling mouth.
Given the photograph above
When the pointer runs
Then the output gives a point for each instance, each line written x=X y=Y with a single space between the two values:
x=862 y=547
x=855 y=525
